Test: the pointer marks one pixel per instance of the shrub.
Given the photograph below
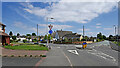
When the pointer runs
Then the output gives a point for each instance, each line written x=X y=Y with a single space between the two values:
x=24 y=41
x=83 y=40
x=43 y=55
x=40 y=55
x=30 y=55
x=25 y=55
x=11 y=41
x=6 y=43
x=12 y=55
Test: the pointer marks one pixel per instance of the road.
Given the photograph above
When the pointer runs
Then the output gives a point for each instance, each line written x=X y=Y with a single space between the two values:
x=96 y=54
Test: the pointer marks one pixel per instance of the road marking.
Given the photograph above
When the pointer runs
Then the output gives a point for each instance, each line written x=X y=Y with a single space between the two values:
x=73 y=51
x=58 y=47
x=68 y=59
x=102 y=55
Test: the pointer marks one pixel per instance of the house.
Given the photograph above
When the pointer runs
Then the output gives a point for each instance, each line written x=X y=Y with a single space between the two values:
x=60 y=34
x=21 y=38
x=4 y=37
x=73 y=36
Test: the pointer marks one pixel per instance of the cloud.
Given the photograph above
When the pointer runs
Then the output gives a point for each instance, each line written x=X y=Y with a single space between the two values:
x=66 y=11
x=26 y=28
x=108 y=28
x=55 y=26
x=98 y=24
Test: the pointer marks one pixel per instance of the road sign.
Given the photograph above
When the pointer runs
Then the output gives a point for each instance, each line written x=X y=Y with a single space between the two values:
x=41 y=40
x=50 y=31
x=50 y=26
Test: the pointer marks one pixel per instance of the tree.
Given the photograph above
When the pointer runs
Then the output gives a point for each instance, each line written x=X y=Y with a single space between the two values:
x=99 y=36
x=28 y=35
x=11 y=34
x=33 y=34
x=86 y=38
x=24 y=41
x=66 y=40
x=29 y=38
x=18 y=34
x=111 y=37
x=45 y=38
x=91 y=38
x=104 y=37
x=14 y=37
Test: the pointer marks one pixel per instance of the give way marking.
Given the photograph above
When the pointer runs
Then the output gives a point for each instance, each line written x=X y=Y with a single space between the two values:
x=73 y=51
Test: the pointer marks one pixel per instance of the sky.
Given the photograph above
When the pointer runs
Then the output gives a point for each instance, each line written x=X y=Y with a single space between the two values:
x=23 y=17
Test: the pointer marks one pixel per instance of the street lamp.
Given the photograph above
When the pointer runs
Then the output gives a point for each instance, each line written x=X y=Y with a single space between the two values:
x=115 y=32
x=50 y=26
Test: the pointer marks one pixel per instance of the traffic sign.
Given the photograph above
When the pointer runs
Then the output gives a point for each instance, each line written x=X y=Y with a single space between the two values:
x=50 y=26
x=50 y=31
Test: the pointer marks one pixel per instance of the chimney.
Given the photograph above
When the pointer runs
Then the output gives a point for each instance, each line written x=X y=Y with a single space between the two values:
x=3 y=28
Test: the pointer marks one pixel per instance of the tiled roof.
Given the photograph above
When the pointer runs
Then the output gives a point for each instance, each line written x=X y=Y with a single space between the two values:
x=62 y=33
x=3 y=34
x=72 y=35
x=2 y=24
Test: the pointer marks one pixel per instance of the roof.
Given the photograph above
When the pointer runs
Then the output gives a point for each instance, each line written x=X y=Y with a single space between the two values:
x=62 y=33
x=72 y=35
x=2 y=24
x=3 y=34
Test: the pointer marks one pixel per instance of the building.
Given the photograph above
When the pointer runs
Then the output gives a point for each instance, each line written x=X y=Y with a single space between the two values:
x=60 y=34
x=4 y=37
x=73 y=36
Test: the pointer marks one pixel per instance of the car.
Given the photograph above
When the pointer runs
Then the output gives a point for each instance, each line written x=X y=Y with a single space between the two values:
x=79 y=46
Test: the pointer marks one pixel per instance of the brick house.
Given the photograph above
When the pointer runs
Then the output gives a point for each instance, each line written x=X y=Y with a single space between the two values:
x=4 y=37
x=60 y=34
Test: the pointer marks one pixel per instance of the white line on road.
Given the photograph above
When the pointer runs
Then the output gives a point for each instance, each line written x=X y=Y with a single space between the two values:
x=68 y=59
x=73 y=51
x=102 y=55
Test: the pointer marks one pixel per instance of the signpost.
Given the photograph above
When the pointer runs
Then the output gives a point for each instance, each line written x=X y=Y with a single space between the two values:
x=50 y=31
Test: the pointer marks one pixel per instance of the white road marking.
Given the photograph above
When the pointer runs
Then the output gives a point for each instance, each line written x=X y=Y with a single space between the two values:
x=101 y=54
x=73 y=51
x=58 y=47
x=68 y=59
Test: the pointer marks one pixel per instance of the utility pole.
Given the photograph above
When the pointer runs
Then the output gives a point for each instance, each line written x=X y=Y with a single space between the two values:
x=37 y=33
x=115 y=33
x=83 y=32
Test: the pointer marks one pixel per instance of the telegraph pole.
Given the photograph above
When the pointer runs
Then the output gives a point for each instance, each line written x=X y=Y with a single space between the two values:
x=115 y=33
x=83 y=32
x=37 y=33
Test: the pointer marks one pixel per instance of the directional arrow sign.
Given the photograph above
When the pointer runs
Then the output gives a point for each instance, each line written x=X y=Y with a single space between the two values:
x=73 y=51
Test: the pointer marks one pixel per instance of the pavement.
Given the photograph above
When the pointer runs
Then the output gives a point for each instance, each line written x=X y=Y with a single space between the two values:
x=96 y=54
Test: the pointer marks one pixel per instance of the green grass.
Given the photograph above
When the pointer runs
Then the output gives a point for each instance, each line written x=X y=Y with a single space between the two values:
x=26 y=47
x=117 y=43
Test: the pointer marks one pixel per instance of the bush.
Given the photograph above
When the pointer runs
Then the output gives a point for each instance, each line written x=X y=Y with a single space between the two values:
x=11 y=41
x=42 y=45
x=83 y=40
x=6 y=43
x=24 y=41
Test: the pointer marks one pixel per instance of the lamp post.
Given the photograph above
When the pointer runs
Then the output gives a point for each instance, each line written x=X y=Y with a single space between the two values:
x=115 y=32
x=50 y=27
x=83 y=32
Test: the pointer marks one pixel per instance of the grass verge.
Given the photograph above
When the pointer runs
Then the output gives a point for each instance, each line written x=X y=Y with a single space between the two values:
x=26 y=47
